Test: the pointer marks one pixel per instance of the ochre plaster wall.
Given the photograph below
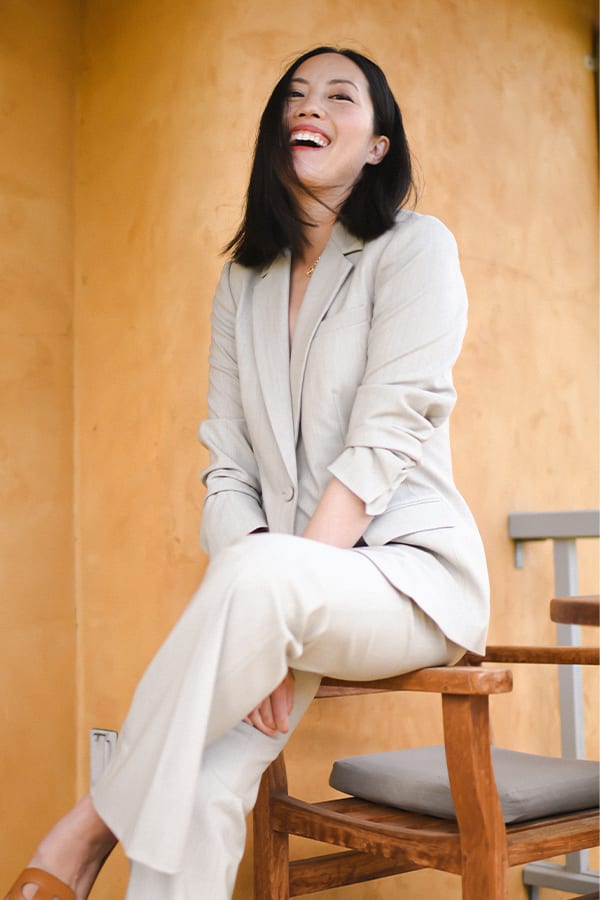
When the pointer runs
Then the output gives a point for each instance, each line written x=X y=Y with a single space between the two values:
x=37 y=625
x=500 y=112
x=499 y=108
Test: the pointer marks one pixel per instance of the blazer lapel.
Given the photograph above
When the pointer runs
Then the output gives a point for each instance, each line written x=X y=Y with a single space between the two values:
x=270 y=302
x=334 y=267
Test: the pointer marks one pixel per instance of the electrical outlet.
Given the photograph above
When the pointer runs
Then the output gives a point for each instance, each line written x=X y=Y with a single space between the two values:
x=102 y=744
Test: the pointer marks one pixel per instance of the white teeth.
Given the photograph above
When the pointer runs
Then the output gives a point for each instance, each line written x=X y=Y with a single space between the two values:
x=311 y=136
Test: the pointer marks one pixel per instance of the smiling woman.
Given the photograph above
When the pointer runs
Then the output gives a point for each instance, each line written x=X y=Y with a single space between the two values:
x=329 y=109
x=339 y=543
x=330 y=121
x=274 y=209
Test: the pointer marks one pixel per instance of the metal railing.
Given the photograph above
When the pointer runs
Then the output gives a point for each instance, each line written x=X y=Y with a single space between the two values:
x=563 y=529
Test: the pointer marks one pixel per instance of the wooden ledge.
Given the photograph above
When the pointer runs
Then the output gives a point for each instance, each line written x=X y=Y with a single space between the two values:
x=572 y=656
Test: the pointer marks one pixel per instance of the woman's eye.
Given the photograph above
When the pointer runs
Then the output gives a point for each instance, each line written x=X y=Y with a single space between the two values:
x=292 y=94
x=341 y=97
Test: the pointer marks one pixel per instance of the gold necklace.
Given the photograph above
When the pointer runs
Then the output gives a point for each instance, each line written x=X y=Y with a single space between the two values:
x=312 y=268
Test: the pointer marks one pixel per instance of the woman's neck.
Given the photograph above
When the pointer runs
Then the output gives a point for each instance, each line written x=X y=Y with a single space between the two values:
x=317 y=233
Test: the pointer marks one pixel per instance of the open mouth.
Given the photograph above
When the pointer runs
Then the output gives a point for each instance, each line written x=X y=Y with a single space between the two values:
x=308 y=139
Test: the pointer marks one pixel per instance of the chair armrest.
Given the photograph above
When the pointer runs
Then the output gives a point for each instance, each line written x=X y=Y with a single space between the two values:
x=574 y=656
x=439 y=680
x=583 y=610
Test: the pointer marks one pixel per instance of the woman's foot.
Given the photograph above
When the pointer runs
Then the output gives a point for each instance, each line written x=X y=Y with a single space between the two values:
x=74 y=850
x=42 y=884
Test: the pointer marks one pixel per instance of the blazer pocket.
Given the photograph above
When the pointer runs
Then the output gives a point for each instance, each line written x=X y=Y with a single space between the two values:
x=400 y=520
x=356 y=315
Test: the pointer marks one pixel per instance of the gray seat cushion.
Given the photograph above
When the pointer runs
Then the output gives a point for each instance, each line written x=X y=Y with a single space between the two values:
x=529 y=786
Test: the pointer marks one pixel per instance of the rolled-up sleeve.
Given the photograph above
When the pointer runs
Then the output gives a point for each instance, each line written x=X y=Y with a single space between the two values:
x=417 y=329
x=232 y=507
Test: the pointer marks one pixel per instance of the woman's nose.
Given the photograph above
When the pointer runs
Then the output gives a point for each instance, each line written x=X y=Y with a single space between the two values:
x=309 y=108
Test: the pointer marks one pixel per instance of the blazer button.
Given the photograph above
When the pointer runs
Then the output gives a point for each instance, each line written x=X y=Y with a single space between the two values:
x=288 y=493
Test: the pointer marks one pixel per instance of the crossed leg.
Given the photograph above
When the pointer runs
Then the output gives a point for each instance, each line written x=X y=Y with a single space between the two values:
x=186 y=769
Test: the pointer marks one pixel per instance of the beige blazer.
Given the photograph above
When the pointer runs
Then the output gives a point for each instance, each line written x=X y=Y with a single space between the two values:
x=365 y=395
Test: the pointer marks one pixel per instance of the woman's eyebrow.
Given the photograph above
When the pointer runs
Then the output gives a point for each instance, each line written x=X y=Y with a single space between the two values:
x=342 y=81
x=331 y=81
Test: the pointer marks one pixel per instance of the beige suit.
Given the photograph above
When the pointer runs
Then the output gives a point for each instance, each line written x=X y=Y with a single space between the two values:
x=365 y=396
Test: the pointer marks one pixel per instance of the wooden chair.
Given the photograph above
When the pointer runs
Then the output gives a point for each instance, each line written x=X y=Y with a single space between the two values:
x=381 y=840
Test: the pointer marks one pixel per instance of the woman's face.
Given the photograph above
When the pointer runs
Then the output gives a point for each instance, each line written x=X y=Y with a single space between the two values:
x=329 y=116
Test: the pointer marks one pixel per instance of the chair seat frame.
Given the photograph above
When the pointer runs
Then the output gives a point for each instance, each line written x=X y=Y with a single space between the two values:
x=380 y=840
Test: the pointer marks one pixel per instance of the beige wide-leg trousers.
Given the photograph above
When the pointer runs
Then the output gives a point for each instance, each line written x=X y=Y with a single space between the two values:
x=187 y=768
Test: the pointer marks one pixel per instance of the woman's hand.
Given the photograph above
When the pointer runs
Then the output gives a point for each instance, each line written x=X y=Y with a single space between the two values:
x=339 y=518
x=272 y=715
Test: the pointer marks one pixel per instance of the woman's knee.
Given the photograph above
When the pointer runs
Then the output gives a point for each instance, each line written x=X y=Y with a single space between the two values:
x=261 y=560
x=267 y=573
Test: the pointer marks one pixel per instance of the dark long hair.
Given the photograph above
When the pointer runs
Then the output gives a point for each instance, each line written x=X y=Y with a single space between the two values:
x=272 y=218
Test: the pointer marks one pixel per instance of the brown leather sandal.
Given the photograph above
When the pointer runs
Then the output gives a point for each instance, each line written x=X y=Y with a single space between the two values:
x=48 y=887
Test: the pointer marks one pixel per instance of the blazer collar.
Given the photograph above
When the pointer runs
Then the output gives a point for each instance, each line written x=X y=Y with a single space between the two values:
x=344 y=241
x=271 y=350
x=334 y=267
x=280 y=372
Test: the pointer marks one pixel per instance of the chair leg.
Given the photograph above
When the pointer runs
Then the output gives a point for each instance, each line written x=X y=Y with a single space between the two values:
x=271 y=862
x=482 y=829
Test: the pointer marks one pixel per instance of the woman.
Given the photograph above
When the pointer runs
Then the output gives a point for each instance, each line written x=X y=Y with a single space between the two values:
x=334 y=331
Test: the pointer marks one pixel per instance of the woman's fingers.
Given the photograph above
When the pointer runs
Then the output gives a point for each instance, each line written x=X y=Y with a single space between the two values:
x=266 y=712
x=261 y=717
x=272 y=715
x=282 y=702
x=291 y=689
x=280 y=707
